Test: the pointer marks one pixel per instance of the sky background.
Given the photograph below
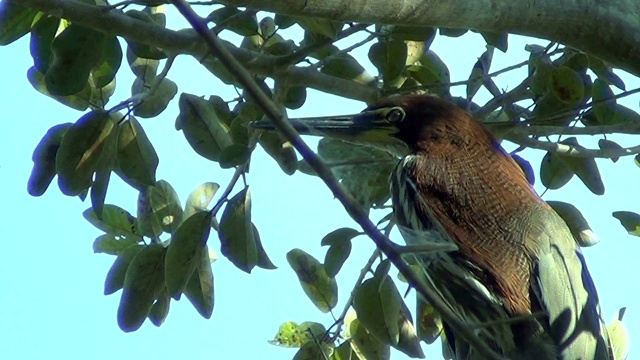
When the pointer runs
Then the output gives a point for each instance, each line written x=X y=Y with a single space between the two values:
x=51 y=283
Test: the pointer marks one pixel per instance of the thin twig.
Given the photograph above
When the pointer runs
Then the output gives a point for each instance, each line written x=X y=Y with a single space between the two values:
x=351 y=206
x=572 y=150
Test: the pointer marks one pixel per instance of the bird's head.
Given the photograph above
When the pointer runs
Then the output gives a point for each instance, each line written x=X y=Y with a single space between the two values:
x=400 y=125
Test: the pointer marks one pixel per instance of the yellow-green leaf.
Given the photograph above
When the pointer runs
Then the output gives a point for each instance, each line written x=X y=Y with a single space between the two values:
x=319 y=287
x=81 y=150
x=137 y=159
x=15 y=21
x=200 y=289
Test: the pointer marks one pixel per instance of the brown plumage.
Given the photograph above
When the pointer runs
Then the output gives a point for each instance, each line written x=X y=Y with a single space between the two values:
x=459 y=174
x=518 y=275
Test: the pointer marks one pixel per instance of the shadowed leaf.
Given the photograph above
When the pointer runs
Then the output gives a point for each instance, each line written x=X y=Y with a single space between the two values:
x=320 y=288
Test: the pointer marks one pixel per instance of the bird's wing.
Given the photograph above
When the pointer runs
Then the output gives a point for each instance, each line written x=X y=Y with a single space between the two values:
x=562 y=287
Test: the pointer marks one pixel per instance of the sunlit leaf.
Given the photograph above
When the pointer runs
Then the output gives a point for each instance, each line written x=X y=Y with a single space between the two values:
x=81 y=150
x=165 y=205
x=320 y=288
x=200 y=198
x=137 y=159
x=114 y=220
x=155 y=102
x=378 y=305
x=206 y=134
x=290 y=334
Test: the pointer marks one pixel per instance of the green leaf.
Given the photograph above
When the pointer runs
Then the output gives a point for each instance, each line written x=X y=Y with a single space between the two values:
x=346 y=67
x=44 y=160
x=114 y=244
x=237 y=242
x=200 y=290
x=313 y=351
x=206 y=134
x=605 y=144
x=240 y=22
x=15 y=21
x=554 y=173
x=81 y=150
x=567 y=85
x=234 y=155
x=619 y=337
x=263 y=259
x=160 y=309
x=340 y=247
x=429 y=321
x=290 y=334
x=605 y=73
x=98 y=191
x=337 y=254
x=114 y=220
x=365 y=345
x=630 y=221
x=432 y=62
x=389 y=58
x=365 y=170
x=326 y=28
x=604 y=102
x=108 y=64
x=143 y=283
x=497 y=40
x=117 y=272
x=576 y=223
x=184 y=251
x=408 y=341
x=378 y=305
x=147 y=220
x=479 y=72
x=79 y=101
x=339 y=235
x=199 y=199
x=153 y=104
x=281 y=150
x=76 y=51
x=344 y=352
x=451 y=32
x=42 y=35
x=142 y=68
x=165 y=206
x=585 y=167
x=137 y=159
x=319 y=287
x=413 y=33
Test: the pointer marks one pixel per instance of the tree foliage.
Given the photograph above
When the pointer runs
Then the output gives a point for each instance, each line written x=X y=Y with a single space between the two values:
x=162 y=252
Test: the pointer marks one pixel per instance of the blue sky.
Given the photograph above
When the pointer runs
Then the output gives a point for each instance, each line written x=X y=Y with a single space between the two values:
x=51 y=301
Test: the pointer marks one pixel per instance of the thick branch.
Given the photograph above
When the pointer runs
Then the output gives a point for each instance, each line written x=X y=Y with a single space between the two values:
x=116 y=23
x=607 y=29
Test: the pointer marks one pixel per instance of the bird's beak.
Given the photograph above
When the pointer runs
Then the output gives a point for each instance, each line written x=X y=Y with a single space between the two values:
x=369 y=127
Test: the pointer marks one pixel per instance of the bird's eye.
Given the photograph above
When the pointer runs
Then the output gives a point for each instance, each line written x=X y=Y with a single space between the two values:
x=395 y=115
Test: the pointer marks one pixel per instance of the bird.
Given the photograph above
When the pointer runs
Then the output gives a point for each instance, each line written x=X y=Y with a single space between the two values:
x=518 y=275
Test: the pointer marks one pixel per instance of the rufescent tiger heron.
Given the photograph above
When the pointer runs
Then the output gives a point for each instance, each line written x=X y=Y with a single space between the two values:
x=516 y=257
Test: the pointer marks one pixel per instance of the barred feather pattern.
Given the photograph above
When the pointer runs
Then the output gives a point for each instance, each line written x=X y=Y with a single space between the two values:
x=475 y=294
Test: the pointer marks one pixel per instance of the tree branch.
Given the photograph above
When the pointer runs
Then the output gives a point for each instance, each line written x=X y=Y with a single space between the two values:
x=592 y=31
x=351 y=206
x=572 y=150
x=115 y=23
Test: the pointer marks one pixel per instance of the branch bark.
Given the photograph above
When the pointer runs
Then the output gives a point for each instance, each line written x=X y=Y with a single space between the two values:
x=114 y=22
x=609 y=30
